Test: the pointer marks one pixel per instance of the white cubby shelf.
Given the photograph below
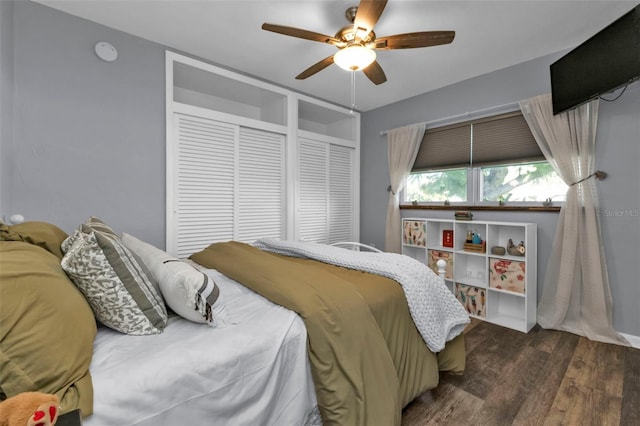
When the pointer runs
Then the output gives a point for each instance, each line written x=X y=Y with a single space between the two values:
x=498 y=288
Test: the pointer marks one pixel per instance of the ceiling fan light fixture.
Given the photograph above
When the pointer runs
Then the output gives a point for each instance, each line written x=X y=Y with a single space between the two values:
x=354 y=58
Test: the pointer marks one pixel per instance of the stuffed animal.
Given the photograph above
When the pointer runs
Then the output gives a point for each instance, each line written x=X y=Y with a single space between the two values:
x=29 y=409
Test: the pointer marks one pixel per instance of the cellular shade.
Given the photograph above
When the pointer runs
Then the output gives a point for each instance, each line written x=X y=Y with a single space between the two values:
x=500 y=139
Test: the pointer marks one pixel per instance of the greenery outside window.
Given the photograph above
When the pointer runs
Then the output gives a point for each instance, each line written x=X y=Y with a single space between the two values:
x=532 y=182
x=523 y=184
x=489 y=161
x=438 y=186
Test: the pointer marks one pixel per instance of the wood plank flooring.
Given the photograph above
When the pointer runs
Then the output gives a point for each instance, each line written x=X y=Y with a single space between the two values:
x=544 y=377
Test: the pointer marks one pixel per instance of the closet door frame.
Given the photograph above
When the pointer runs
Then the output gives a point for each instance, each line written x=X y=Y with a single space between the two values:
x=281 y=106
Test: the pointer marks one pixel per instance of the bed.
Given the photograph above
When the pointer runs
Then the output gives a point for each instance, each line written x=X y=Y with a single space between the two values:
x=273 y=346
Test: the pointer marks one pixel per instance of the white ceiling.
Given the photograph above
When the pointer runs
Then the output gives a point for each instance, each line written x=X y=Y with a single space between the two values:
x=489 y=35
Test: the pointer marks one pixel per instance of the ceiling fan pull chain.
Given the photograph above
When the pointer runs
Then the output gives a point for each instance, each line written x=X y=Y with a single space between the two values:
x=353 y=91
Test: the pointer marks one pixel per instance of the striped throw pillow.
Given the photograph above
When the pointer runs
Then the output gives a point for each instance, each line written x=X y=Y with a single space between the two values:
x=190 y=293
x=119 y=288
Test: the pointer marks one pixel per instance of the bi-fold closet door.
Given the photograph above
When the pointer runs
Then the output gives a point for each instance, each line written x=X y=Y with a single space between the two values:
x=326 y=192
x=228 y=183
x=248 y=160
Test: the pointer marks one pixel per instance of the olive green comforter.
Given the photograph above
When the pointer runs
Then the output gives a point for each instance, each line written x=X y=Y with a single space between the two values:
x=368 y=359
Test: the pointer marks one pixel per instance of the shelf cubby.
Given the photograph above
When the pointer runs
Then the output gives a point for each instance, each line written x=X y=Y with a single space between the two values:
x=500 y=289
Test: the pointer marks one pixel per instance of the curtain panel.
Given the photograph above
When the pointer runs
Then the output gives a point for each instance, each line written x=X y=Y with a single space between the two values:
x=576 y=296
x=402 y=147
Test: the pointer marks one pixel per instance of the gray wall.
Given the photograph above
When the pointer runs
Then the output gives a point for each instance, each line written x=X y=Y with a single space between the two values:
x=618 y=153
x=89 y=135
x=6 y=105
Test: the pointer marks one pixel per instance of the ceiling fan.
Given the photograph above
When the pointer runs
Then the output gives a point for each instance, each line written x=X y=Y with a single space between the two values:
x=357 y=43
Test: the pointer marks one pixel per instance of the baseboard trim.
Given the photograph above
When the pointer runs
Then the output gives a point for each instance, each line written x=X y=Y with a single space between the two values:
x=634 y=340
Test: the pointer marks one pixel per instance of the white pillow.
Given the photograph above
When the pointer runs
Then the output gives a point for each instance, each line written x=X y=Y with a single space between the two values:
x=189 y=292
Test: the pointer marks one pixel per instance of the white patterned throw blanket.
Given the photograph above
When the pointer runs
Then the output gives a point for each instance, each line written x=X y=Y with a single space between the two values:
x=437 y=314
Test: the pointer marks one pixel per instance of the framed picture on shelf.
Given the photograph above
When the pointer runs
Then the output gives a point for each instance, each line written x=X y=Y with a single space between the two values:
x=447 y=238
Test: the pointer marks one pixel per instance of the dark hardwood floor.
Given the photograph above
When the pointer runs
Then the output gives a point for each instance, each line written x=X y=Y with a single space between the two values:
x=544 y=377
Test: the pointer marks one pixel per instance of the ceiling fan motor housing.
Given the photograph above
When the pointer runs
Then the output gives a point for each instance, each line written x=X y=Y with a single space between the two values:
x=349 y=34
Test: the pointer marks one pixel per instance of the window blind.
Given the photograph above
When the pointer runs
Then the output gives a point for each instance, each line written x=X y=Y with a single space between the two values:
x=445 y=147
x=500 y=139
x=504 y=139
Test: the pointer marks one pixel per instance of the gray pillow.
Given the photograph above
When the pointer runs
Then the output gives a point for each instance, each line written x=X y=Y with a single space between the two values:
x=118 y=286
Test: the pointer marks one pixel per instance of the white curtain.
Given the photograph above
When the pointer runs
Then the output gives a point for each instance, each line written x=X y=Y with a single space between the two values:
x=576 y=296
x=402 y=147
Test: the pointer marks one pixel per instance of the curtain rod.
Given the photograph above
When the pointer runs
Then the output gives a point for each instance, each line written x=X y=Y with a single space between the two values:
x=512 y=106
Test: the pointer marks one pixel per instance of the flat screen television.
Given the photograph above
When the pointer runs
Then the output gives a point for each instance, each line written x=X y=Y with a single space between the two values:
x=605 y=62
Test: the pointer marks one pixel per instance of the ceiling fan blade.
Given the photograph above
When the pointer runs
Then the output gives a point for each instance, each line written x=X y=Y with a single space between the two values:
x=412 y=40
x=317 y=67
x=368 y=13
x=300 y=33
x=374 y=73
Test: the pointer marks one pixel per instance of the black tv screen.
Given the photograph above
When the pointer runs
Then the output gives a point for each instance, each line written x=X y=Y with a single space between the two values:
x=605 y=62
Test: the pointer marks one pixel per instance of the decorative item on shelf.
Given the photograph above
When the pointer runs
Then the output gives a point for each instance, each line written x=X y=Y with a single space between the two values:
x=480 y=247
x=469 y=236
x=447 y=203
x=447 y=238
x=548 y=202
x=473 y=299
x=414 y=233
x=516 y=250
x=414 y=203
x=435 y=256
x=500 y=251
x=463 y=215
x=507 y=275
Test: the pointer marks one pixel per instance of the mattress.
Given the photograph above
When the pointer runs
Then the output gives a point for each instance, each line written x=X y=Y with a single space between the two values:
x=252 y=372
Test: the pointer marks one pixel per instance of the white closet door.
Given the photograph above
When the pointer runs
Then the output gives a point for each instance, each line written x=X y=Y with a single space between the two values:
x=261 y=185
x=204 y=182
x=341 y=194
x=313 y=185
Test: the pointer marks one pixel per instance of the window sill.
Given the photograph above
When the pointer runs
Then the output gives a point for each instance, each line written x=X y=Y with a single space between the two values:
x=469 y=207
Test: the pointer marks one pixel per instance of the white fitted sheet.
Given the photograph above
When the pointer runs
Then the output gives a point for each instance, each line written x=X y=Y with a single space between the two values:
x=253 y=372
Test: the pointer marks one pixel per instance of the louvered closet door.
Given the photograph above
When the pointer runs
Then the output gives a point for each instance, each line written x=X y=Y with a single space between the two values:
x=341 y=194
x=313 y=185
x=261 y=186
x=205 y=180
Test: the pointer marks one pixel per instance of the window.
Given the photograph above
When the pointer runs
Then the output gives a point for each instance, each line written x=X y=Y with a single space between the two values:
x=484 y=161
x=525 y=182
x=441 y=185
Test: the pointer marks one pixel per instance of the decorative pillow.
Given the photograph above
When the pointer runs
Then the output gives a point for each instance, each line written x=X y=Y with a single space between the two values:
x=95 y=224
x=47 y=328
x=92 y=224
x=120 y=289
x=189 y=292
x=41 y=234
